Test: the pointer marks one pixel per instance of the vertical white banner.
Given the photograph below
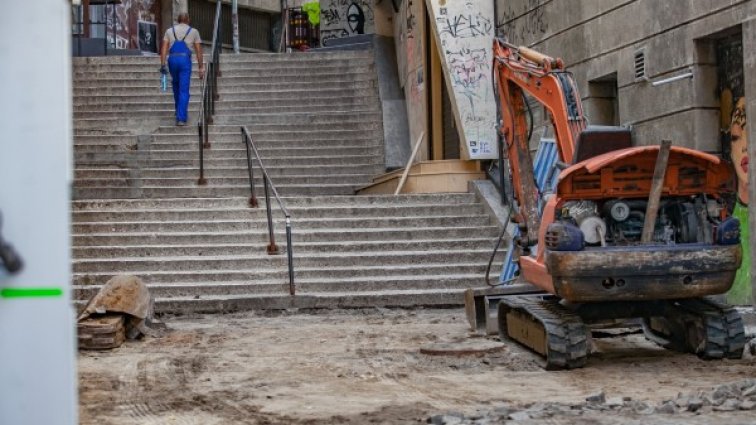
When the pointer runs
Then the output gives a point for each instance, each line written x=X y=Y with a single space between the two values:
x=37 y=338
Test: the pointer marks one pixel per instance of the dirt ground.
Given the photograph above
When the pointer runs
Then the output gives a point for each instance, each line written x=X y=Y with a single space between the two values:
x=365 y=366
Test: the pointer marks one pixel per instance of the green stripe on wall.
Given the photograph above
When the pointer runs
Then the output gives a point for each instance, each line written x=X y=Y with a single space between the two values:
x=31 y=292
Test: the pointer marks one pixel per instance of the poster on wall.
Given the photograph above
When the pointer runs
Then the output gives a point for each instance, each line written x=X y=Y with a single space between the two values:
x=147 y=32
x=734 y=140
x=465 y=32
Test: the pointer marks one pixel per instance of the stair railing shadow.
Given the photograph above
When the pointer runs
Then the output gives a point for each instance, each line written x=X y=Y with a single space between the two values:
x=268 y=187
x=209 y=95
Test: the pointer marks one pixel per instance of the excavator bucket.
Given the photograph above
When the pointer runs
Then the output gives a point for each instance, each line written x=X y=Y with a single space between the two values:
x=121 y=294
x=127 y=295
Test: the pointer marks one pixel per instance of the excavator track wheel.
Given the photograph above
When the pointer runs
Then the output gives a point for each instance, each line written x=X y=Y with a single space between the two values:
x=544 y=326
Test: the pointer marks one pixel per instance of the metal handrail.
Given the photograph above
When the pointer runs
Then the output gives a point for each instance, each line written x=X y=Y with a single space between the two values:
x=268 y=186
x=209 y=95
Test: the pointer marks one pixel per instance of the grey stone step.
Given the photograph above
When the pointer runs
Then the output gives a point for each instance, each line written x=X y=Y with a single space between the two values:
x=299 y=236
x=313 y=300
x=146 y=104
x=201 y=290
x=269 y=71
x=149 y=67
x=400 y=299
x=84 y=171
x=298 y=76
x=301 y=247
x=144 y=90
x=296 y=56
x=430 y=209
x=225 y=58
x=218 y=181
x=295 y=136
x=255 y=123
x=302 y=105
x=233 y=142
x=262 y=261
x=154 y=81
x=275 y=86
x=263 y=274
x=206 y=191
x=250 y=100
x=241 y=202
x=117 y=115
x=342 y=119
x=239 y=152
x=265 y=94
x=180 y=160
x=303 y=223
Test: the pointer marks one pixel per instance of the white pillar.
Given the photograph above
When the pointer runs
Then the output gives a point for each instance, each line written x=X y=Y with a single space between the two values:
x=37 y=338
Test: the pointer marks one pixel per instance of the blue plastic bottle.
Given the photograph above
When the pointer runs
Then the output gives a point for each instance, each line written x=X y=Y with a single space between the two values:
x=163 y=82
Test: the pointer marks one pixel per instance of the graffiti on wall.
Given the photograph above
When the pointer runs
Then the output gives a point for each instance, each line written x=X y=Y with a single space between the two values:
x=465 y=33
x=731 y=92
x=344 y=18
x=522 y=22
x=126 y=21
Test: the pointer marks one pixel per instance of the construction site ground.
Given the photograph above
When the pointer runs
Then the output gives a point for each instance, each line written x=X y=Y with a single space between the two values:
x=366 y=366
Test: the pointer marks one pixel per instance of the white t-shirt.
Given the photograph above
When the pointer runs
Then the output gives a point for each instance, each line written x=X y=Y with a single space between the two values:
x=181 y=29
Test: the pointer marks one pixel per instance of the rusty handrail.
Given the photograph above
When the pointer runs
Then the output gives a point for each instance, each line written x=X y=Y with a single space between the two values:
x=268 y=187
x=209 y=95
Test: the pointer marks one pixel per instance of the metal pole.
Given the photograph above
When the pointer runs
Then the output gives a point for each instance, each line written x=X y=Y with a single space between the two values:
x=201 y=181
x=37 y=317
x=272 y=248
x=235 y=23
x=253 y=198
x=290 y=256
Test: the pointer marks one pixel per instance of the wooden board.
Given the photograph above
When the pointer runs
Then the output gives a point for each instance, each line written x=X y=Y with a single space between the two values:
x=102 y=332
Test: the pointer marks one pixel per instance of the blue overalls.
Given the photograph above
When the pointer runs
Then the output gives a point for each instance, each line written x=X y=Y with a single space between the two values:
x=180 y=66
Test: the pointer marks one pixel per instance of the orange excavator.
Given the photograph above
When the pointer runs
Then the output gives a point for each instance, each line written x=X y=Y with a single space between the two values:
x=627 y=232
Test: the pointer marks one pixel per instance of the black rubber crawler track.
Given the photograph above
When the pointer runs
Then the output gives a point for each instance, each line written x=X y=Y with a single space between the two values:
x=566 y=334
x=700 y=326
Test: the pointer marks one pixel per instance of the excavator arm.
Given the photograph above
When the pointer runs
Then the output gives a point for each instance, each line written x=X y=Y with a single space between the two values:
x=519 y=71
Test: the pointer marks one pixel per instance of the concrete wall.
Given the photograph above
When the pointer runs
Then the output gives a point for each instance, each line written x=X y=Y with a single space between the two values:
x=598 y=38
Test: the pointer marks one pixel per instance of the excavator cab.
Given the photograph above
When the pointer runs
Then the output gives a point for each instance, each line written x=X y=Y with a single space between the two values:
x=596 y=140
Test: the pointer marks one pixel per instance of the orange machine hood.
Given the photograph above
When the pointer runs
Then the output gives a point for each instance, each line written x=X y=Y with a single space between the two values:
x=628 y=173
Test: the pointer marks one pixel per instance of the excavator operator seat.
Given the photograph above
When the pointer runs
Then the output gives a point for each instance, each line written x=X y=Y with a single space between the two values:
x=598 y=139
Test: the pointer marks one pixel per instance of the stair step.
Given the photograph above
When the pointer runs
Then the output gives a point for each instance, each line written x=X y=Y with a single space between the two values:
x=300 y=247
x=300 y=235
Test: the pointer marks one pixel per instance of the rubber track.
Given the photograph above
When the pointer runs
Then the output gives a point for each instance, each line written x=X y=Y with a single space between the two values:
x=725 y=334
x=567 y=335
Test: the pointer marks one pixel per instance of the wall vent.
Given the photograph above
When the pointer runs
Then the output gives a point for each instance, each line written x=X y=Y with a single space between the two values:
x=639 y=62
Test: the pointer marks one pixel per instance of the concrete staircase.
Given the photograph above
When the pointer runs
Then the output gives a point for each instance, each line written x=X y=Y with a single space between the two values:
x=317 y=122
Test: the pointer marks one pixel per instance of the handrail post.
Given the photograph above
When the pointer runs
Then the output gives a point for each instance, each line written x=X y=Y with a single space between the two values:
x=290 y=257
x=201 y=181
x=272 y=247
x=253 y=198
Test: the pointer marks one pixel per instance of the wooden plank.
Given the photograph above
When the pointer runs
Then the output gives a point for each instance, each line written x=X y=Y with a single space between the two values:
x=657 y=184
x=409 y=163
